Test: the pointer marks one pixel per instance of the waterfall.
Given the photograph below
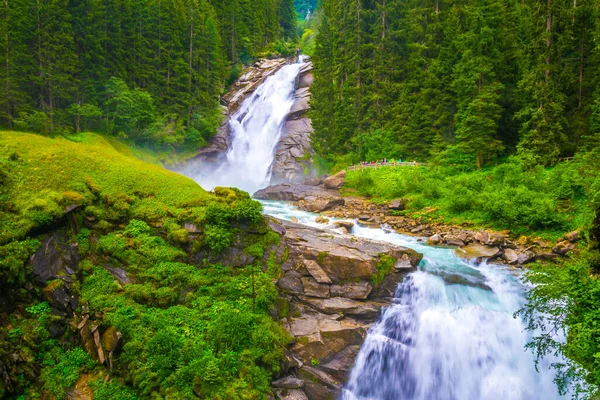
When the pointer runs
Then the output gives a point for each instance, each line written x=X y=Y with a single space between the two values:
x=255 y=131
x=450 y=333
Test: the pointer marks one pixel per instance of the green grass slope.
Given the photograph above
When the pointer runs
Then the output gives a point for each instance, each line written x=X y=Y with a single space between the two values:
x=192 y=325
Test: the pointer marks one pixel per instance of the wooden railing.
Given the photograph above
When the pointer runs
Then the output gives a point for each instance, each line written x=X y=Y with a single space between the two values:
x=359 y=167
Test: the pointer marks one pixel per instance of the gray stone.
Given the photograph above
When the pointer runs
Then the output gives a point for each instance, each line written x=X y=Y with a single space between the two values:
x=434 y=240
x=290 y=394
x=359 y=291
x=54 y=258
x=291 y=283
x=344 y=306
x=314 y=289
x=288 y=382
x=317 y=272
x=476 y=250
x=510 y=256
x=336 y=181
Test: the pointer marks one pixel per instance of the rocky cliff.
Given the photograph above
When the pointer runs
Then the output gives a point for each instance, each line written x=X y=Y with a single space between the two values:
x=332 y=289
x=294 y=152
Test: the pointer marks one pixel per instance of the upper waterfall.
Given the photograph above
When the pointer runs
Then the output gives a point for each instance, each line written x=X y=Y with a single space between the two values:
x=255 y=131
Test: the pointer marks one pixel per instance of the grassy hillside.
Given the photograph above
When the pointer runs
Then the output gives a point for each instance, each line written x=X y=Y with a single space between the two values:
x=543 y=201
x=191 y=324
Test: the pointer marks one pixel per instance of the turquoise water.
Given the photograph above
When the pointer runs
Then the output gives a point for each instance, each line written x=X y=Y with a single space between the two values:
x=450 y=333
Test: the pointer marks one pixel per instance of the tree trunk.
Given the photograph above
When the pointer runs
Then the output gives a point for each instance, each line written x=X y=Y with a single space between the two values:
x=7 y=48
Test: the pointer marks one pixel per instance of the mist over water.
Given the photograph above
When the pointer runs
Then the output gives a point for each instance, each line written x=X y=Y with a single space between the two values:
x=442 y=340
x=255 y=131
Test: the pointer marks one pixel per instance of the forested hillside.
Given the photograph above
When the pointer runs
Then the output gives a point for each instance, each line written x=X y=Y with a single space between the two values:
x=464 y=81
x=151 y=70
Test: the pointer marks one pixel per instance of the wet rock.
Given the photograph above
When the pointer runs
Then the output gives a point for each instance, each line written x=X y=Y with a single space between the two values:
x=345 y=224
x=340 y=364
x=288 y=382
x=294 y=152
x=314 y=289
x=301 y=104
x=336 y=181
x=309 y=198
x=476 y=250
x=56 y=257
x=495 y=239
x=404 y=263
x=340 y=258
x=358 y=291
x=56 y=329
x=322 y=220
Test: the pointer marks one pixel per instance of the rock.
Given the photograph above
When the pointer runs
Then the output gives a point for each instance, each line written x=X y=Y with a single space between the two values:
x=452 y=240
x=288 y=382
x=309 y=198
x=476 y=250
x=482 y=237
x=56 y=294
x=434 y=240
x=312 y=374
x=510 y=256
x=306 y=80
x=358 y=291
x=495 y=239
x=192 y=228
x=110 y=339
x=322 y=220
x=291 y=283
x=119 y=274
x=572 y=236
x=290 y=394
x=294 y=152
x=563 y=247
x=404 y=263
x=340 y=364
x=301 y=104
x=344 y=306
x=525 y=258
x=398 y=205
x=337 y=258
x=295 y=220
x=317 y=272
x=336 y=181
x=56 y=257
x=349 y=225
x=314 y=289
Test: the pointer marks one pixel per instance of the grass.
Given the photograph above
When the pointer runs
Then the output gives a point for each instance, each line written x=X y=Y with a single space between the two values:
x=542 y=202
x=41 y=176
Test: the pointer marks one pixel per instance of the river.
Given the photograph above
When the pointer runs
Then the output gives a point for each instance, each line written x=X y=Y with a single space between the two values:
x=450 y=333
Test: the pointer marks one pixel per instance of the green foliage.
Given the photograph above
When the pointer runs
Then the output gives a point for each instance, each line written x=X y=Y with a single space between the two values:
x=509 y=196
x=384 y=267
x=112 y=390
x=563 y=302
x=61 y=369
x=479 y=78
x=13 y=257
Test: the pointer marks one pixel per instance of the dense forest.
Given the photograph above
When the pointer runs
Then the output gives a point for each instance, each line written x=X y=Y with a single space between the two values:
x=149 y=70
x=464 y=81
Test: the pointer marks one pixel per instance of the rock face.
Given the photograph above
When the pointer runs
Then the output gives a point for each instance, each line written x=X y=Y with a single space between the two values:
x=333 y=287
x=293 y=152
x=308 y=198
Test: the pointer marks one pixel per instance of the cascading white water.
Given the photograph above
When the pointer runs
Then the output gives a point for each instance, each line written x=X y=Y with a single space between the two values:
x=450 y=335
x=255 y=131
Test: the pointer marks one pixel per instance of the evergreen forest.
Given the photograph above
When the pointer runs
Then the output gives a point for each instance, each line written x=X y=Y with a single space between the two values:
x=151 y=71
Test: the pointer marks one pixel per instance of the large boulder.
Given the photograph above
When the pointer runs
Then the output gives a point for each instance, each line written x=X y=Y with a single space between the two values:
x=301 y=104
x=344 y=258
x=294 y=151
x=336 y=181
x=309 y=198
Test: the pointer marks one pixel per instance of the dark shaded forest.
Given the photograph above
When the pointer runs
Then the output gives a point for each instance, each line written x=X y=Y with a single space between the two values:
x=149 y=70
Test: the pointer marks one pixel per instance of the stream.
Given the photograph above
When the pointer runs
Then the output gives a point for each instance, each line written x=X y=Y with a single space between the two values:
x=450 y=333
